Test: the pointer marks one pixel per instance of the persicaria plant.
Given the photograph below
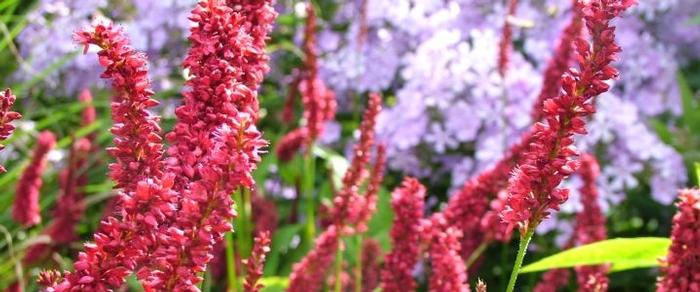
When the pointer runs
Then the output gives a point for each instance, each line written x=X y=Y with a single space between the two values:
x=199 y=198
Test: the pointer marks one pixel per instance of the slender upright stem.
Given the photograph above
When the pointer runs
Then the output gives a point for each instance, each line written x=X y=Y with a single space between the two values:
x=338 y=268
x=308 y=191
x=246 y=234
x=231 y=264
x=524 y=242
x=358 y=264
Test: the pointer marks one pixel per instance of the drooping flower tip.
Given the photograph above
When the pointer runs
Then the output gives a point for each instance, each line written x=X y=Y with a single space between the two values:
x=26 y=210
x=680 y=268
x=7 y=100
x=406 y=231
x=256 y=262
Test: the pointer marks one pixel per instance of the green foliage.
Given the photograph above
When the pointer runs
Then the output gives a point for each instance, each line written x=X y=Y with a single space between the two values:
x=621 y=253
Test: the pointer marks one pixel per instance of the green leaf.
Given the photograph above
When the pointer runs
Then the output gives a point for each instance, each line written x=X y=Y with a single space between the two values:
x=274 y=284
x=621 y=253
x=691 y=111
x=335 y=162
x=697 y=172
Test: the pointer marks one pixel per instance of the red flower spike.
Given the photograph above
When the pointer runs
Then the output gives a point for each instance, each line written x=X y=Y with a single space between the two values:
x=370 y=198
x=310 y=273
x=448 y=270
x=533 y=187
x=25 y=209
x=7 y=100
x=590 y=225
x=291 y=143
x=319 y=101
x=559 y=63
x=256 y=262
x=680 y=268
x=348 y=205
x=122 y=244
x=553 y=280
x=407 y=203
x=371 y=266
x=505 y=46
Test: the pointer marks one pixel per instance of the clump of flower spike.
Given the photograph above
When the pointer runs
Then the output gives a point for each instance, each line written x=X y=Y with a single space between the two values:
x=256 y=262
x=449 y=272
x=25 y=209
x=349 y=210
x=559 y=63
x=407 y=203
x=681 y=267
x=318 y=100
x=590 y=225
x=7 y=100
x=505 y=46
x=216 y=145
x=533 y=188
x=121 y=244
x=69 y=206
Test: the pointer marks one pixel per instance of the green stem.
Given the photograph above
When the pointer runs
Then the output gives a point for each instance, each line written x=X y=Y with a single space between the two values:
x=231 y=263
x=308 y=189
x=476 y=253
x=246 y=234
x=338 y=268
x=524 y=242
x=358 y=264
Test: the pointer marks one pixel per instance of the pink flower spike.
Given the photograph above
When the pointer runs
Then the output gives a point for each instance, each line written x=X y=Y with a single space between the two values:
x=533 y=188
x=310 y=273
x=7 y=100
x=407 y=203
x=26 y=210
x=256 y=262
x=680 y=269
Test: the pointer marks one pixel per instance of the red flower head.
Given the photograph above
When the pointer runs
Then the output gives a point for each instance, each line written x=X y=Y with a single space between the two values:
x=310 y=273
x=505 y=46
x=448 y=270
x=560 y=62
x=349 y=207
x=407 y=202
x=26 y=210
x=216 y=145
x=256 y=262
x=681 y=267
x=291 y=143
x=590 y=225
x=318 y=100
x=6 y=117
x=533 y=189
x=371 y=268
x=553 y=280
